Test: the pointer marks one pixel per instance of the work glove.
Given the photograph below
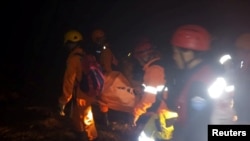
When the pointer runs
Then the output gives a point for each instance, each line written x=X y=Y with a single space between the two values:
x=61 y=110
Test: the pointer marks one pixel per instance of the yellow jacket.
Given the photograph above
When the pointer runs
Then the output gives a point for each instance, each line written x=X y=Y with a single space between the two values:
x=73 y=74
x=165 y=128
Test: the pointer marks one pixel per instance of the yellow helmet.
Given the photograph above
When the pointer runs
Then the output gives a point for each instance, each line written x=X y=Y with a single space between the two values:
x=97 y=34
x=243 y=41
x=73 y=36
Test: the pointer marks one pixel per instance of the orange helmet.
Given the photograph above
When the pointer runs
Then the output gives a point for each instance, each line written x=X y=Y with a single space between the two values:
x=142 y=47
x=73 y=36
x=97 y=34
x=243 y=41
x=192 y=37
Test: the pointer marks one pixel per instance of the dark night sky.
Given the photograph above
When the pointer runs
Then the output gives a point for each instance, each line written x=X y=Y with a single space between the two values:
x=34 y=29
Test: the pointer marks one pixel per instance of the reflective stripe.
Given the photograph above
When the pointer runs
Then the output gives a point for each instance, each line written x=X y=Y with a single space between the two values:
x=241 y=64
x=151 y=90
x=219 y=87
x=154 y=90
x=144 y=137
x=225 y=58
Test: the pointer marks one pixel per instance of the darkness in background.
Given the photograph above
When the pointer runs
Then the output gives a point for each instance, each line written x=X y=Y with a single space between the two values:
x=32 y=50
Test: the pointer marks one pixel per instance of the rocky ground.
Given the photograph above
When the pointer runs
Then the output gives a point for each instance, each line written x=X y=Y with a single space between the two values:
x=35 y=118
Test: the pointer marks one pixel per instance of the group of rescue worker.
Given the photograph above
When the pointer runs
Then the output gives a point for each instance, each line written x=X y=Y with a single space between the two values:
x=200 y=95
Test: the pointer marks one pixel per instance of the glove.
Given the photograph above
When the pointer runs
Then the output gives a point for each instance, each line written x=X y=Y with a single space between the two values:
x=61 y=110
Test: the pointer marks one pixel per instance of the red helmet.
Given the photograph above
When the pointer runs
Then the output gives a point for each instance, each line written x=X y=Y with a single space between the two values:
x=143 y=46
x=192 y=37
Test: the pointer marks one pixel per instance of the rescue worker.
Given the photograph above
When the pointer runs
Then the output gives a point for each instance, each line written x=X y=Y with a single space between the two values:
x=242 y=74
x=132 y=69
x=100 y=47
x=194 y=102
x=82 y=116
x=224 y=108
x=224 y=111
x=154 y=82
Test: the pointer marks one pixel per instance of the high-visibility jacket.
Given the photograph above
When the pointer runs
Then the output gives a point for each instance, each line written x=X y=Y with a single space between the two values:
x=159 y=126
x=73 y=74
x=154 y=78
x=82 y=114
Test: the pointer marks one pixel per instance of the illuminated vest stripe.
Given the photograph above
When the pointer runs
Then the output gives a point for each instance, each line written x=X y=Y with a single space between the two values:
x=154 y=90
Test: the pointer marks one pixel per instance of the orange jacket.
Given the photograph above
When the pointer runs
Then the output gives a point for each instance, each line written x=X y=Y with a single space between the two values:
x=108 y=60
x=73 y=74
x=154 y=76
